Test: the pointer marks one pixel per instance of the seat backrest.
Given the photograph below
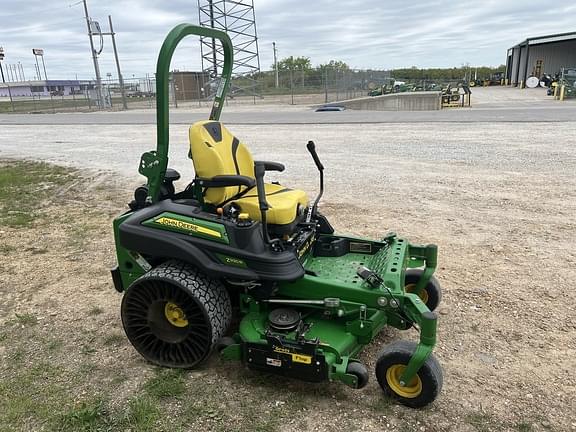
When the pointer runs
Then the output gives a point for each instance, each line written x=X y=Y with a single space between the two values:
x=215 y=151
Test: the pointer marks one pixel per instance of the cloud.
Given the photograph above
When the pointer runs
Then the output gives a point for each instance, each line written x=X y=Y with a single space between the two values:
x=363 y=33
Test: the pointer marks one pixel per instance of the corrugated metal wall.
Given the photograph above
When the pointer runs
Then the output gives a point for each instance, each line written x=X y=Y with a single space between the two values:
x=553 y=55
x=515 y=63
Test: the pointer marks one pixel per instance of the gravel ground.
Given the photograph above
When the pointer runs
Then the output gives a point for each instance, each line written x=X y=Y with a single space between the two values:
x=498 y=199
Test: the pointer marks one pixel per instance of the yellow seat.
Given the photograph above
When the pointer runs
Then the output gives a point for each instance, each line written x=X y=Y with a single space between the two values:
x=215 y=151
x=282 y=203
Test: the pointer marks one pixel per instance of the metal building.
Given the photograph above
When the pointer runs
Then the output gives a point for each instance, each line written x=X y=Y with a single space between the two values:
x=43 y=88
x=540 y=55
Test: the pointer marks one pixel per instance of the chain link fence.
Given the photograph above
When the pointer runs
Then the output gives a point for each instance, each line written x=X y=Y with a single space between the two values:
x=195 y=89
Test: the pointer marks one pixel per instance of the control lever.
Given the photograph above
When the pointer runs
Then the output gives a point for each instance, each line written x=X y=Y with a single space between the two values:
x=312 y=149
x=313 y=207
x=259 y=170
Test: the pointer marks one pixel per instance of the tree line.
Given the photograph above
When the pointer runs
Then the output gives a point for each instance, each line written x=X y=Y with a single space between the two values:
x=413 y=73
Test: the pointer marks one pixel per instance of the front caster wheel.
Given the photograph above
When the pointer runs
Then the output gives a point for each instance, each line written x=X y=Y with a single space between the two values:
x=173 y=314
x=360 y=371
x=431 y=294
x=424 y=387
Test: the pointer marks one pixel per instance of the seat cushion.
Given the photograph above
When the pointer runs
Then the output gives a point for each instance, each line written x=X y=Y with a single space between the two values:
x=215 y=151
x=282 y=202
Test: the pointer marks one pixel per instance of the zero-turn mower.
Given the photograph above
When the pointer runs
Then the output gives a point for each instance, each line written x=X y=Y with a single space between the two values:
x=306 y=300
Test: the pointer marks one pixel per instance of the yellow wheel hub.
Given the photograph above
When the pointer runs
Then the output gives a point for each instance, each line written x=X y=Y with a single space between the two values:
x=175 y=315
x=423 y=293
x=409 y=390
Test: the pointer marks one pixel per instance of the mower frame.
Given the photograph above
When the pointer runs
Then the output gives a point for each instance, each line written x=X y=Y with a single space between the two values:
x=344 y=309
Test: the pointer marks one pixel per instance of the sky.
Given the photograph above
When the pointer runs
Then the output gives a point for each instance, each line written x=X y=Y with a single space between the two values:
x=363 y=33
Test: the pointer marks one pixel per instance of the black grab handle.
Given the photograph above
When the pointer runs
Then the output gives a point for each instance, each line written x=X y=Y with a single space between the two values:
x=312 y=149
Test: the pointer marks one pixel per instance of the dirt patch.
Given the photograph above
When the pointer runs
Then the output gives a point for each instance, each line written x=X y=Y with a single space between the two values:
x=506 y=338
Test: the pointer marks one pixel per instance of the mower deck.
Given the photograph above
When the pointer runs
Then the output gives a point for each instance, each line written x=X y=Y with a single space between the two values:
x=341 y=312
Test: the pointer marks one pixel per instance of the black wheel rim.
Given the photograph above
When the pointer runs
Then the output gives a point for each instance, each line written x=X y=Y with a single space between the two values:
x=154 y=336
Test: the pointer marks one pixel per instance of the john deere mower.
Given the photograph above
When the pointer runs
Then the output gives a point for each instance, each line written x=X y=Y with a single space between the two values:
x=253 y=271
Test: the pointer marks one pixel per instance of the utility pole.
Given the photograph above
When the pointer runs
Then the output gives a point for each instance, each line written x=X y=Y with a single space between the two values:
x=94 y=58
x=44 y=66
x=22 y=71
x=38 y=75
x=38 y=52
x=275 y=63
x=3 y=80
x=2 y=58
x=120 y=78
x=37 y=66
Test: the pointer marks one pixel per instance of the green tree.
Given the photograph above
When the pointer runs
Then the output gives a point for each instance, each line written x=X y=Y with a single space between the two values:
x=336 y=65
x=294 y=63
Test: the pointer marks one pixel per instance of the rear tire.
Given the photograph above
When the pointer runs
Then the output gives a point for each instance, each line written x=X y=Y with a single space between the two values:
x=424 y=387
x=174 y=314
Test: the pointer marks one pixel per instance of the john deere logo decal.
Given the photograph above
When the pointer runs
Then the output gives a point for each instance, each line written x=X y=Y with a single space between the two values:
x=296 y=358
x=186 y=226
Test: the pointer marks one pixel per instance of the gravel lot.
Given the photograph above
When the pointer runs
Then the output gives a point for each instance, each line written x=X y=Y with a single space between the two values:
x=499 y=200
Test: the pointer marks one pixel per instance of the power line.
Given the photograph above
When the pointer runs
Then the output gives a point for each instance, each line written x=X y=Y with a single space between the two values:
x=39 y=11
x=41 y=25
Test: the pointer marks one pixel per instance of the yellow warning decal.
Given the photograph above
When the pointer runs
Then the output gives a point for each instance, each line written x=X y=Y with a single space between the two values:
x=175 y=223
x=299 y=358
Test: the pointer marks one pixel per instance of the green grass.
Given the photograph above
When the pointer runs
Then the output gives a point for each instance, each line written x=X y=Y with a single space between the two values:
x=95 y=310
x=86 y=416
x=483 y=422
x=166 y=383
x=47 y=105
x=87 y=367
x=88 y=349
x=54 y=345
x=142 y=414
x=114 y=339
x=26 y=319
x=23 y=188
x=35 y=395
x=6 y=248
x=524 y=427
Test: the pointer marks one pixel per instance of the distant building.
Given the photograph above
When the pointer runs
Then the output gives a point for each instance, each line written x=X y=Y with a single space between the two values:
x=46 y=88
x=541 y=55
x=191 y=85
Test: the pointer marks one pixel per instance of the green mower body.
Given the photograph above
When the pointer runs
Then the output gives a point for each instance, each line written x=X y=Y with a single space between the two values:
x=306 y=299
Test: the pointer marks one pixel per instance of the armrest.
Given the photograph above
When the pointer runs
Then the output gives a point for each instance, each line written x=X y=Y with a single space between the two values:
x=271 y=166
x=226 y=180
